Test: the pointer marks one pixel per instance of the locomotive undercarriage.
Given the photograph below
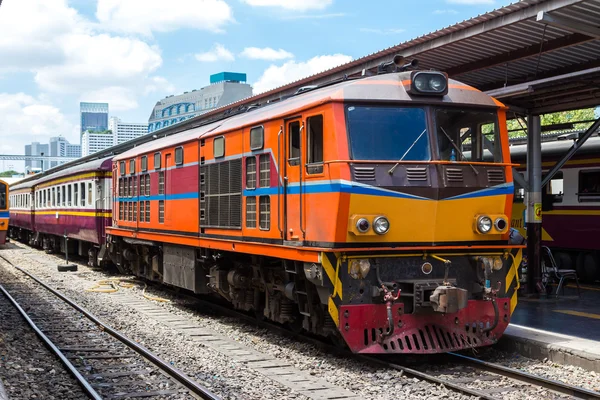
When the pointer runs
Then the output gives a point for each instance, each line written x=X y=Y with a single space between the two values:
x=272 y=289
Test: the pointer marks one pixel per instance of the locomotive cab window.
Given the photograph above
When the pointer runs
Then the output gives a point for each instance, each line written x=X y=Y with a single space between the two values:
x=467 y=135
x=219 y=147
x=387 y=133
x=589 y=186
x=294 y=142
x=178 y=155
x=257 y=138
x=314 y=156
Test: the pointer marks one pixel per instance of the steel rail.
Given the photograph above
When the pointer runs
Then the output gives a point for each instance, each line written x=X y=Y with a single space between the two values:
x=526 y=377
x=171 y=371
x=85 y=385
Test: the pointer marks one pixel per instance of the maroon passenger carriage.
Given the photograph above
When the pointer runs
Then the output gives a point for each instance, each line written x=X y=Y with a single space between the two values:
x=22 y=224
x=75 y=202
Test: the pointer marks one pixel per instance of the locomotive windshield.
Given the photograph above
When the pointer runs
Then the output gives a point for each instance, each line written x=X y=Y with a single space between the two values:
x=468 y=135
x=388 y=133
x=2 y=196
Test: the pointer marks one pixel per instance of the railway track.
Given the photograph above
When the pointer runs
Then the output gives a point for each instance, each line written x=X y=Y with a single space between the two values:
x=106 y=363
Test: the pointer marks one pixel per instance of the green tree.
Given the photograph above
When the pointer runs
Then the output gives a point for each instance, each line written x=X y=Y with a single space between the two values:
x=8 y=174
x=516 y=127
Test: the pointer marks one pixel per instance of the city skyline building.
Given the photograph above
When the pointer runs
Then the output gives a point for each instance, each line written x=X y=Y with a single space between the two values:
x=93 y=117
x=224 y=88
x=126 y=131
x=93 y=142
x=35 y=149
x=60 y=147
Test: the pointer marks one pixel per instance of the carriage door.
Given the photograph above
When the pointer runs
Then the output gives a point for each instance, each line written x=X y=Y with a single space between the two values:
x=293 y=182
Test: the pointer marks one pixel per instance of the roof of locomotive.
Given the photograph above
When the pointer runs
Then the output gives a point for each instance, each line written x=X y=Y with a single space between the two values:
x=103 y=164
x=556 y=149
x=379 y=88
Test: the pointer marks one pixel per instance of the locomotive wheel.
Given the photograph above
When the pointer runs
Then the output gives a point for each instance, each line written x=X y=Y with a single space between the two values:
x=587 y=266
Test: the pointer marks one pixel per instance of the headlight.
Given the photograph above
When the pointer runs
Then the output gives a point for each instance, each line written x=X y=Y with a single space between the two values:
x=359 y=269
x=500 y=224
x=381 y=225
x=430 y=82
x=362 y=225
x=497 y=264
x=484 y=224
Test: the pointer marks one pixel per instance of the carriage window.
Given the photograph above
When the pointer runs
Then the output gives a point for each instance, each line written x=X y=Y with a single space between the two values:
x=315 y=145
x=251 y=172
x=294 y=138
x=156 y=160
x=64 y=196
x=76 y=194
x=69 y=195
x=53 y=197
x=388 y=133
x=257 y=138
x=44 y=198
x=57 y=197
x=89 y=194
x=219 y=147
x=589 y=186
x=179 y=156
x=144 y=163
x=554 y=188
x=82 y=191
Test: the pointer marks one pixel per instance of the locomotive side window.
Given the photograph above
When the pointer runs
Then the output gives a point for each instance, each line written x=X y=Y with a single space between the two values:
x=147 y=184
x=161 y=211
x=134 y=212
x=314 y=148
x=251 y=212
x=251 y=172
x=294 y=140
x=265 y=213
x=178 y=155
x=257 y=138
x=147 y=211
x=144 y=163
x=132 y=167
x=589 y=186
x=265 y=170
x=135 y=186
x=156 y=160
x=387 y=133
x=142 y=211
x=122 y=167
x=161 y=182
x=219 y=147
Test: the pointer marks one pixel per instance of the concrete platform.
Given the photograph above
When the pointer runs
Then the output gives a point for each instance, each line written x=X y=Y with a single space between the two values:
x=565 y=330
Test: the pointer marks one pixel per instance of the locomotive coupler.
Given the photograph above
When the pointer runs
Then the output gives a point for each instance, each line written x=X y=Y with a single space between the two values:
x=389 y=298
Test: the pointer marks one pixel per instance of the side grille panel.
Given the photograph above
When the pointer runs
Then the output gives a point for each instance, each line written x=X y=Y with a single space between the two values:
x=454 y=175
x=495 y=176
x=364 y=173
x=222 y=187
x=417 y=174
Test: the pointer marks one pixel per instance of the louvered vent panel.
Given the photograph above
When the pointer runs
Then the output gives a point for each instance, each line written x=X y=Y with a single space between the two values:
x=223 y=196
x=364 y=173
x=495 y=176
x=417 y=174
x=454 y=175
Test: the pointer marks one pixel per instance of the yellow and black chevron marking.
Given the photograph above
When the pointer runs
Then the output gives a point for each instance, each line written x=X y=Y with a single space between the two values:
x=331 y=264
x=512 y=278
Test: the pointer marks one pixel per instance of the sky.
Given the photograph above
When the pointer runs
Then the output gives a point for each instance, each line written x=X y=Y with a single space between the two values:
x=132 y=53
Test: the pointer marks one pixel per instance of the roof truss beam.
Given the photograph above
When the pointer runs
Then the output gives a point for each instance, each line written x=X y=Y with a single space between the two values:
x=569 y=24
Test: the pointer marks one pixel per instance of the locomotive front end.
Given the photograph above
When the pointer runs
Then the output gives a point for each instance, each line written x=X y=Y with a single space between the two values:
x=427 y=266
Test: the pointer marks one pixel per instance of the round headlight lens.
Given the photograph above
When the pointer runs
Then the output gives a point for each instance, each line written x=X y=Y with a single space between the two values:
x=359 y=268
x=421 y=83
x=362 y=225
x=484 y=224
x=500 y=224
x=437 y=83
x=381 y=225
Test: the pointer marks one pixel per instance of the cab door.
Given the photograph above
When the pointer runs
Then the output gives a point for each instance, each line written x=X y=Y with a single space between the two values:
x=292 y=182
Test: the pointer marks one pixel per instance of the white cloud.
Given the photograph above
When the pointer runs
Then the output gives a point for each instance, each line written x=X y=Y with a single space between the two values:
x=297 y=5
x=471 y=2
x=119 y=98
x=445 y=12
x=26 y=119
x=276 y=76
x=313 y=16
x=266 y=53
x=391 y=31
x=217 y=53
x=147 y=16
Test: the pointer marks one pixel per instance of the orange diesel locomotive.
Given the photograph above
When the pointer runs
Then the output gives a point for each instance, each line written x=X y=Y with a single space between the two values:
x=361 y=210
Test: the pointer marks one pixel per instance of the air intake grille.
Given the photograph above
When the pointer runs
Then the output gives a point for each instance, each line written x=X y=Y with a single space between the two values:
x=454 y=175
x=364 y=173
x=417 y=174
x=495 y=175
x=222 y=194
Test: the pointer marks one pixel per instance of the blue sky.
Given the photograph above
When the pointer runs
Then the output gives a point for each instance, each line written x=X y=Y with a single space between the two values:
x=131 y=53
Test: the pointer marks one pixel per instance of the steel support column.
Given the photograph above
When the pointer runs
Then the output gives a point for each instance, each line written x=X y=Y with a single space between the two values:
x=534 y=203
